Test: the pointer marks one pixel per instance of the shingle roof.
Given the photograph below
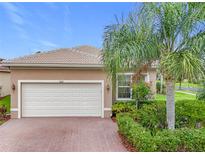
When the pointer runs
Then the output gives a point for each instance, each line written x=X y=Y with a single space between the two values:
x=81 y=55
x=2 y=68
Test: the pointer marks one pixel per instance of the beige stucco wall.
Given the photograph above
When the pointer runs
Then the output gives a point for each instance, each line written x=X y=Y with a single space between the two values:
x=59 y=74
x=5 y=83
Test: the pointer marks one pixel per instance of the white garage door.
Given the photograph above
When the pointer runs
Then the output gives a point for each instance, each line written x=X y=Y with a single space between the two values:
x=66 y=99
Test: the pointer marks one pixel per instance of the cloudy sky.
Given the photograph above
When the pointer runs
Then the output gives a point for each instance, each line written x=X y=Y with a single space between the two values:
x=29 y=27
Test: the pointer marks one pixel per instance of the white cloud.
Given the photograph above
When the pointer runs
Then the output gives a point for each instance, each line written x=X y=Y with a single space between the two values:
x=47 y=43
x=21 y=32
x=67 y=26
x=10 y=7
x=14 y=13
x=17 y=19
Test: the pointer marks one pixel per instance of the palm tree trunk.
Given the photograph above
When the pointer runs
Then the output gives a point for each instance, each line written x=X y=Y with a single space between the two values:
x=170 y=104
x=180 y=85
x=161 y=84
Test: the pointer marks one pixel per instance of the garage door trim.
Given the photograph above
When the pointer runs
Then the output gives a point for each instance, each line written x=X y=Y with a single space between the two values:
x=20 y=82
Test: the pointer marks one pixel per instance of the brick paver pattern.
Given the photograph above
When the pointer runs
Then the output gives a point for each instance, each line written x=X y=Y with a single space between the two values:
x=60 y=134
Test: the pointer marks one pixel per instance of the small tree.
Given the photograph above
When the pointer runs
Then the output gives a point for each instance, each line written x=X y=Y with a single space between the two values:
x=140 y=92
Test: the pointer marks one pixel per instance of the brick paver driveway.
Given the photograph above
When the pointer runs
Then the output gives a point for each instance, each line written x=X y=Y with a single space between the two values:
x=60 y=134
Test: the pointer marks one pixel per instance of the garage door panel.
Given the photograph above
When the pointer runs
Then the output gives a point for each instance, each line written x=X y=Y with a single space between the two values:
x=68 y=103
x=62 y=98
x=60 y=107
x=76 y=99
x=63 y=113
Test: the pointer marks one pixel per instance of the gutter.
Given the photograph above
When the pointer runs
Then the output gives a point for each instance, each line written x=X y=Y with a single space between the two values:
x=54 y=65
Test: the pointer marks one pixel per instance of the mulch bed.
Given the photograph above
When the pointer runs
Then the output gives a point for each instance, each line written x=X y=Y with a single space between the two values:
x=113 y=119
x=6 y=118
x=125 y=142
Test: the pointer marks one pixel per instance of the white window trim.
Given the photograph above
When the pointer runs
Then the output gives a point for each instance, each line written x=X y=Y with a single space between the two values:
x=148 y=76
x=58 y=81
x=129 y=73
x=117 y=98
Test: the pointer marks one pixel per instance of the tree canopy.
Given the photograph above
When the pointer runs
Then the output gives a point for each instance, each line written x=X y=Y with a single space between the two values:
x=172 y=33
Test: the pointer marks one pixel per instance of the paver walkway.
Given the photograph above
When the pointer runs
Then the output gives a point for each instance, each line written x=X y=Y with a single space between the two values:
x=60 y=134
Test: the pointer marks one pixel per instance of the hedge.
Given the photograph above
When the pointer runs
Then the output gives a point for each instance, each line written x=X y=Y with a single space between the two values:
x=189 y=113
x=128 y=106
x=120 y=106
x=138 y=136
x=165 y=141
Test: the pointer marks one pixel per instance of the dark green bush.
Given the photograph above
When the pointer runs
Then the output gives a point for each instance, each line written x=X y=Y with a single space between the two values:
x=190 y=113
x=184 y=139
x=191 y=139
x=140 y=104
x=127 y=106
x=146 y=129
x=120 y=106
x=138 y=136
x=152 y=116
x=166 y=141
x=201 y=93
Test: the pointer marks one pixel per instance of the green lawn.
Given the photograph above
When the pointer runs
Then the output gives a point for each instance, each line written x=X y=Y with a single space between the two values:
x=178 y=96
x=188 y=91
x=186 y=84
x=6 y=101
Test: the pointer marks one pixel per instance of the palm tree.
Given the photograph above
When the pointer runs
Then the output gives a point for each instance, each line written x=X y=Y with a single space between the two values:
x=171 y=33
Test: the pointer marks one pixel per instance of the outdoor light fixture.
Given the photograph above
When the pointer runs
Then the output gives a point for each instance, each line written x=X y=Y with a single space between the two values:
x=108 y=87
x=13 y=87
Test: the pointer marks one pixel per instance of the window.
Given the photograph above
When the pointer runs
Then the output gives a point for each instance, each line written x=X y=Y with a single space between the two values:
x=124 y=86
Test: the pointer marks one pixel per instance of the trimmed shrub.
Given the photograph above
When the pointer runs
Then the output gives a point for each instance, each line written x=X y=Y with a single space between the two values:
x=167 y=141
x=138 y=136
x=127 y=106
x=190 y=113
x=201 y=93
x=120 y=107
x=184 y=139
x=181 y=140
x=191 y=139
x=152 y=116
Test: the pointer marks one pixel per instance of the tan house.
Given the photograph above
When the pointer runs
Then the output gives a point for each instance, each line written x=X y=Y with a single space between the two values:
x=65 y=82
x=4 y=80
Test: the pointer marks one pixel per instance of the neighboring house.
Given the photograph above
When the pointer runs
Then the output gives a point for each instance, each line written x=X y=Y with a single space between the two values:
x=4 y=80
x=64 y=82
